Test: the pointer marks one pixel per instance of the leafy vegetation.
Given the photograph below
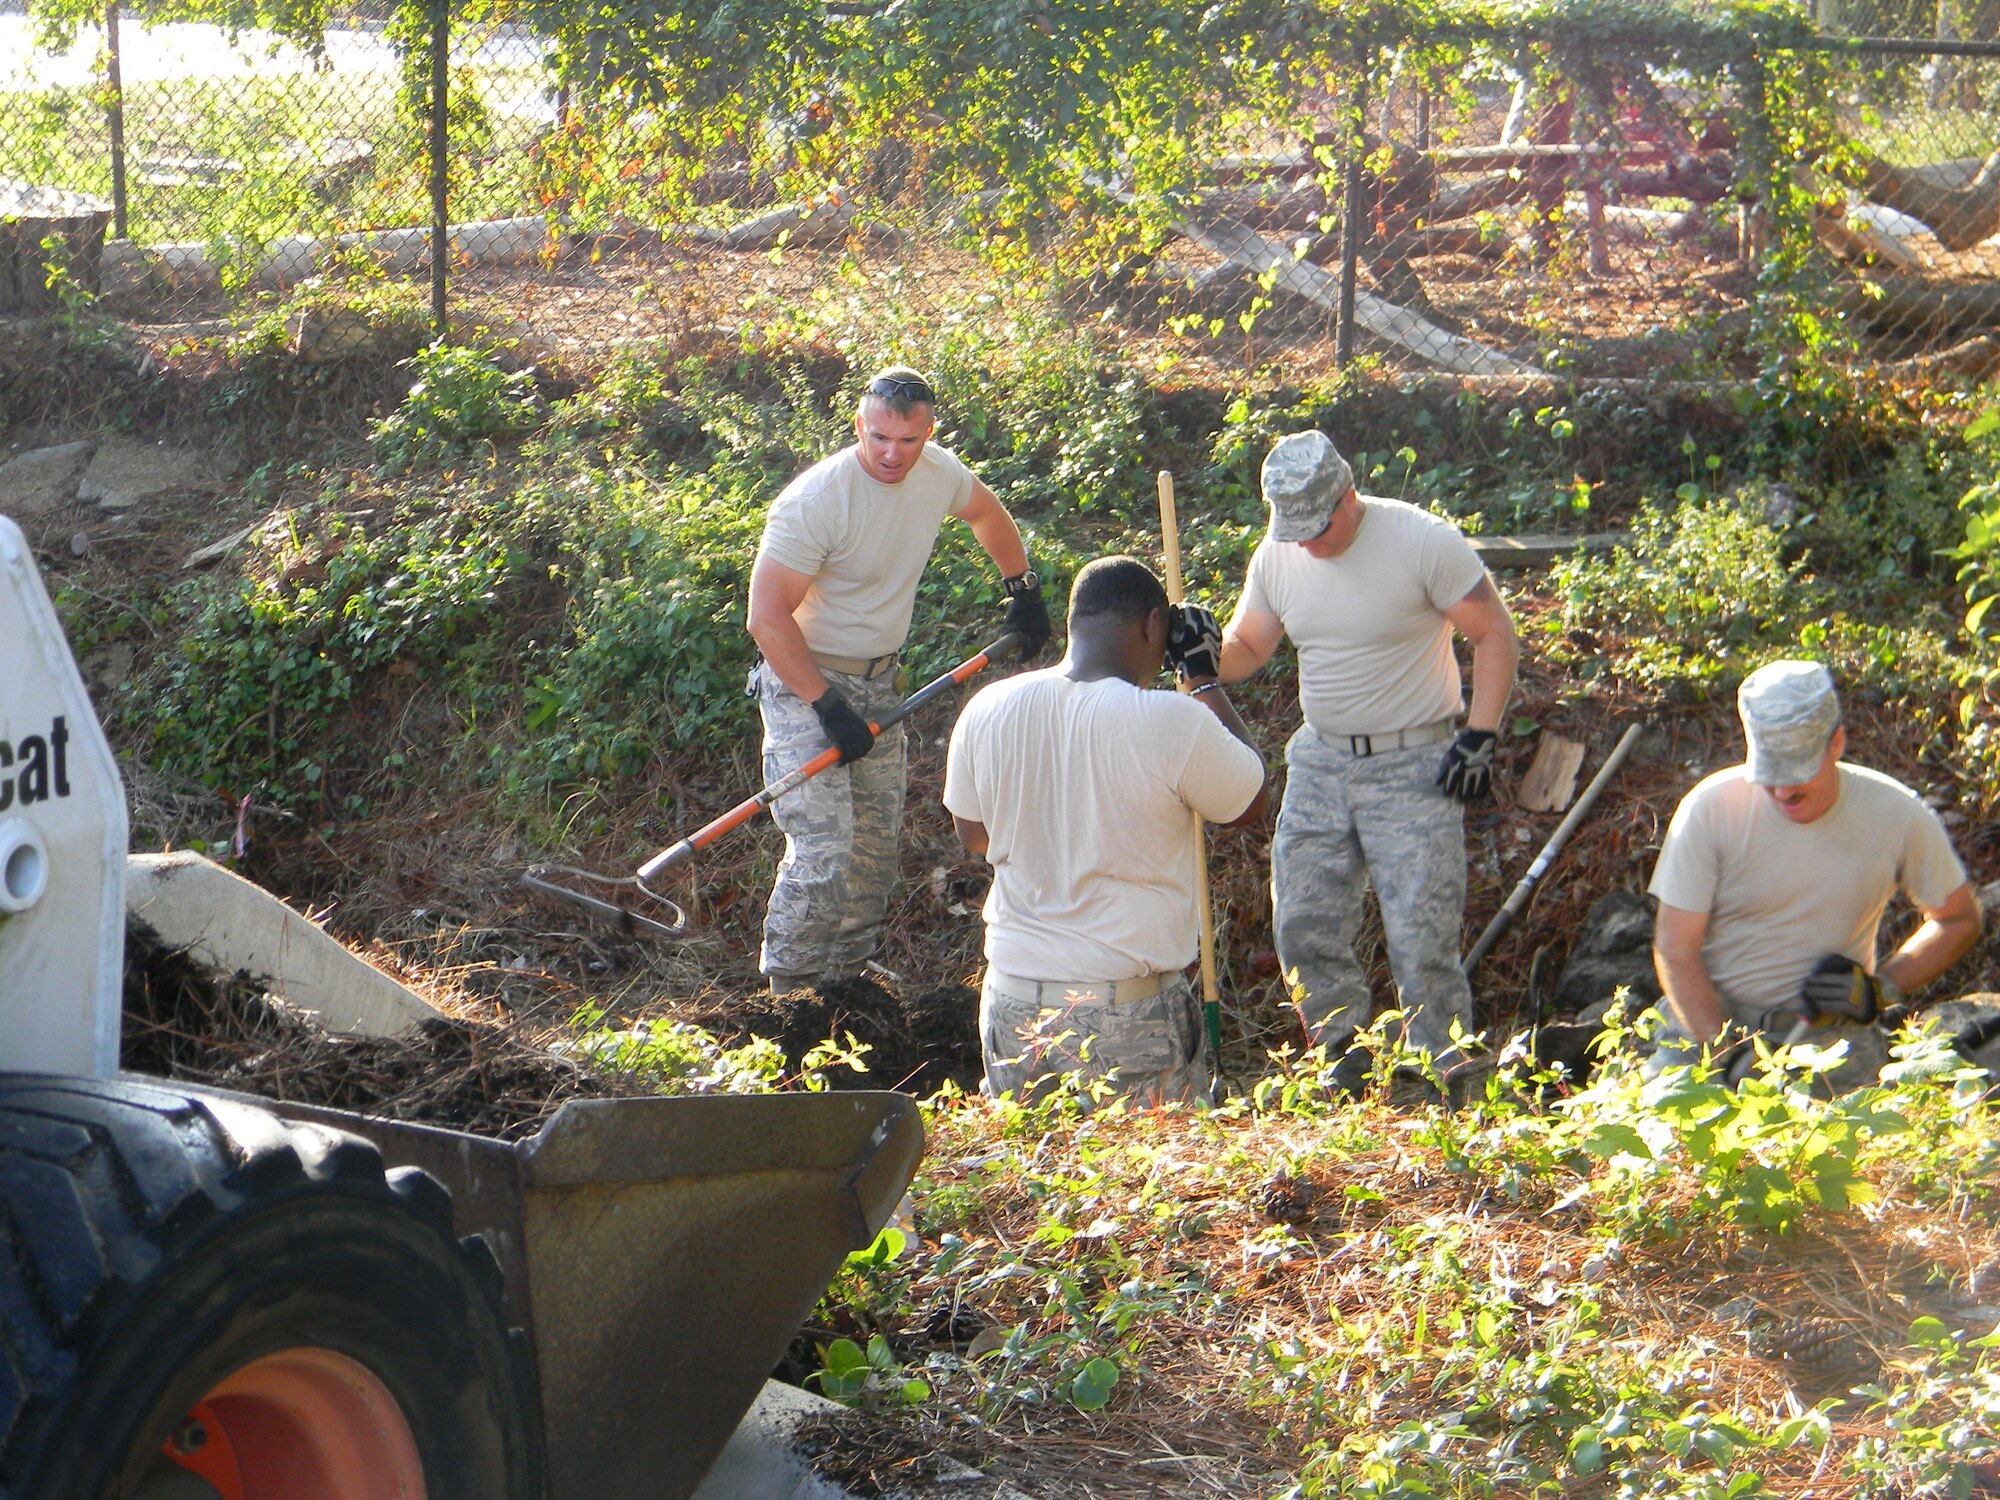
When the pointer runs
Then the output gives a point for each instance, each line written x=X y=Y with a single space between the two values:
x=1504 y=1300
x=527 y=600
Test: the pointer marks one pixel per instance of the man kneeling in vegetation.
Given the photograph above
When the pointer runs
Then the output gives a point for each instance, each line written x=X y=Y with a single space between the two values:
x=1772 y=882
x=1076 y=782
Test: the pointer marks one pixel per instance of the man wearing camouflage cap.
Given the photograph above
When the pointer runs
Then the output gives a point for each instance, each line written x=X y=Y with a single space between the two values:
x=1371 y=591
x=1774 y=875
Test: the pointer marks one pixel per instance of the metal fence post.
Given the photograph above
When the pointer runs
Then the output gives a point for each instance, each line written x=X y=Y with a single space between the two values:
x=1350 y=217
x=114 y=108
x=440 y=149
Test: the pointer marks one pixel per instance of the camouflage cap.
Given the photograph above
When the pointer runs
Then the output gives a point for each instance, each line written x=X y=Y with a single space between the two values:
x=1304 y=478
x=1789 y=712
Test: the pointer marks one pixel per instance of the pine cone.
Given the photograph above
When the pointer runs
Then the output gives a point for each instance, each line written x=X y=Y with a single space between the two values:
x=1286 y=1199
x=952 y=1323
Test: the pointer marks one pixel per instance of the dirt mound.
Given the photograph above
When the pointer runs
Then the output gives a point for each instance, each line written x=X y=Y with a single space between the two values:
x=185 y=1022
x=914 y=1044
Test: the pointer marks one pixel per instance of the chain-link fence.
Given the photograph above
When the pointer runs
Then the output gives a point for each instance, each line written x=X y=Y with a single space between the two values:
x=1512 y=211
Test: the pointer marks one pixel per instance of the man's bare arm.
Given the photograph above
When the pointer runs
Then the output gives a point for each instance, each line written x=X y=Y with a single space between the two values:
x=1949 y=930
x=1690 y=994
x=1248 y=641
x=1482 y=618
x=776 y=592
x=994 y=529
x=972 y=835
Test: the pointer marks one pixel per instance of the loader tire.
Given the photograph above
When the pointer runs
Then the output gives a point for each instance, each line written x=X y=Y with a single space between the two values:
x=198 y=1298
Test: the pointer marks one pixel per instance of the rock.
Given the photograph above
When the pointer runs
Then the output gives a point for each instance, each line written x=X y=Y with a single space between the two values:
x=1989 y=901
x=1978 y=1009
x=109 y=667
x=127 y=472
x=1616 y=950
x=42 y=479
x=201 y=557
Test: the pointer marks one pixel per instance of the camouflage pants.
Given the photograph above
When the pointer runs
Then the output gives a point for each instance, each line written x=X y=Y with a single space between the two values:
x=1349 y=821
x=1867 y=1047
x=1034 y=1034
x=841 y=832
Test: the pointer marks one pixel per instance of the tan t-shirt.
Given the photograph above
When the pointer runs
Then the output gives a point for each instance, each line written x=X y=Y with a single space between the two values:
x=1782 y=895
x=1084 y=788
x=1374 y=646
x=864 y=543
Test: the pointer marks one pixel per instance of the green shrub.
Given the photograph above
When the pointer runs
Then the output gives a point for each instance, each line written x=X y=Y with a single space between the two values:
x=459 y=399
x=1702 y=592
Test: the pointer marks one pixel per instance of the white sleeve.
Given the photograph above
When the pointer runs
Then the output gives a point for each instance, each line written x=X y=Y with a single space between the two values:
x=1686 y=873
x=1452 y=569
x=795 y=531
x=1256 y=598
x=1222 y=774
x=961 y=792
x=1930 y=868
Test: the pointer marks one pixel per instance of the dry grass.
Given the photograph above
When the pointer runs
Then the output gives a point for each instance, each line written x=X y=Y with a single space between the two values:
x=1202 y=1412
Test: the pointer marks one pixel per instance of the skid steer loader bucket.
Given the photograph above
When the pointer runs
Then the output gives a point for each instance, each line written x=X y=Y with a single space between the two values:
x=661 y=1253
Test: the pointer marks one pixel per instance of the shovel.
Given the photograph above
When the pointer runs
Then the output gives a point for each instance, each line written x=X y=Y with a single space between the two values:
x=632 y=923
x=1211 y=995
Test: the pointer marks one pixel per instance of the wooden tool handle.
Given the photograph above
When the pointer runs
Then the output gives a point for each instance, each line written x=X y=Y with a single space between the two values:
x=1170 y=551
x=1170 y=539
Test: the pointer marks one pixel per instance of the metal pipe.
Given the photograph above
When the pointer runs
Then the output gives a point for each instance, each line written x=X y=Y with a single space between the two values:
x=114 y=109
x=440 y=148
x=1517 y=901
x=1350 y=222
x=1899 y=46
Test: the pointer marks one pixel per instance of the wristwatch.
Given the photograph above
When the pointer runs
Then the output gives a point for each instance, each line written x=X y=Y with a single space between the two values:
x=1019 y=584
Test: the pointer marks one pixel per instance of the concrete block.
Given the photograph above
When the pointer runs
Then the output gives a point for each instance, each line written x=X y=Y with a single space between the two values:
x=234 y=926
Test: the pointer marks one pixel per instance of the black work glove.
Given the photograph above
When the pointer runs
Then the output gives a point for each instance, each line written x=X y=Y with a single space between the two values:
x=846 y=728
x=1467 y=770
x=1194 y=641
x=1028 y=617
x=1839 y=988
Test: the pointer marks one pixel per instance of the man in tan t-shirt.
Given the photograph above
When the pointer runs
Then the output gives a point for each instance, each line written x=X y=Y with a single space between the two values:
x=831 y=595
x=1774 y=875
x=1371 y=592
x=1076 y=783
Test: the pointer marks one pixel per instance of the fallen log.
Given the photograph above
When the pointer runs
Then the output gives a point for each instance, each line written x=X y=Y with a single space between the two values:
x=1236 y=241
x=1960 y=217
x=1976 y=359
x=1654 y=225
x=827 y=220
x=1913 y=307
x=1863 y=244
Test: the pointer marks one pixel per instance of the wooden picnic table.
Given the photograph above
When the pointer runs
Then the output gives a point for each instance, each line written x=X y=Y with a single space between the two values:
x=30 y=216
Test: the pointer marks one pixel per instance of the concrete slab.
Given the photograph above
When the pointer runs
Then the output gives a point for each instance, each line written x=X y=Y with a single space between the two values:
x=125 y=472
x=234 y=926
x=1520 y=553
x=43 y=479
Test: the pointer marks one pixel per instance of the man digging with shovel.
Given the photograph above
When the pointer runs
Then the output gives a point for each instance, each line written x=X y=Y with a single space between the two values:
x=1076 y=783
x=831 y=595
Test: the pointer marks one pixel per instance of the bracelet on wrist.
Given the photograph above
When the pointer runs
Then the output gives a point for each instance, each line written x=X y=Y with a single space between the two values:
x=1213 y=682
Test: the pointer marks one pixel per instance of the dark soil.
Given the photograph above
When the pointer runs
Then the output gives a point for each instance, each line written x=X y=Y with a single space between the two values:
x=915 y=1043
x=184 y=1022
x=868 y=1455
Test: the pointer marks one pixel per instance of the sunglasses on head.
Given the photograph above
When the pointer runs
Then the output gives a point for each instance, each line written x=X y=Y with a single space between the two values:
x=902 y=388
